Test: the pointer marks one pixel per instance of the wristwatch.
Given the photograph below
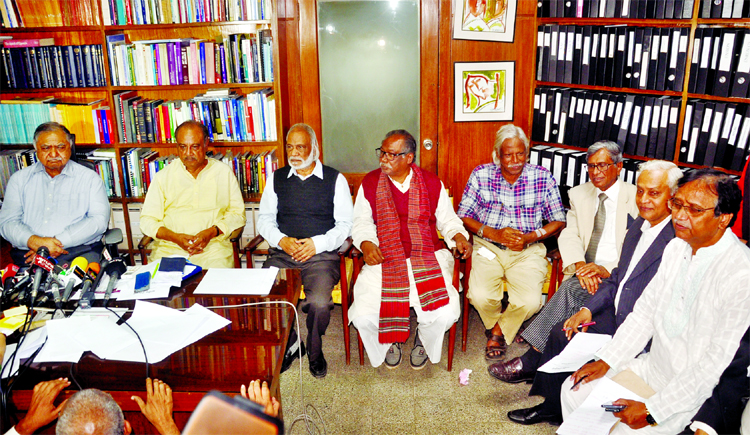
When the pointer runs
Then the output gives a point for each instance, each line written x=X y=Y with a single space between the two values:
x=650 y=419
x=480 y=233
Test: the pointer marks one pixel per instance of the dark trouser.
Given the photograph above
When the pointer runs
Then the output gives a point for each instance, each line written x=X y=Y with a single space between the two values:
x=17 y=255
x=548 y=385
x=319 y=274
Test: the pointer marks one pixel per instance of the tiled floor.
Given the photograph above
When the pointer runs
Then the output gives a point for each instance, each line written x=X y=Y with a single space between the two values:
x=358 y=399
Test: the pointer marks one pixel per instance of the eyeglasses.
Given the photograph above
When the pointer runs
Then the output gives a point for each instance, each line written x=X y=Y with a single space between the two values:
x=602 y=167
x=388 y=156
x=692 y=210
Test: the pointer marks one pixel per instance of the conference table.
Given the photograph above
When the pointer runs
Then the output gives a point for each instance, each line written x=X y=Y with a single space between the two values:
x=252 y=347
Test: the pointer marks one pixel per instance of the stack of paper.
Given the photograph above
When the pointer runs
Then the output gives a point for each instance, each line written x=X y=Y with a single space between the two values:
x=578 y=352
x=590 y=418
x=163 y=331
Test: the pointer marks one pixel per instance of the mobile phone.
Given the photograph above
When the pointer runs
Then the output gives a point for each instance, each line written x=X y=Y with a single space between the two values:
x=611 y=407
x=142 y=282
x=219 y=413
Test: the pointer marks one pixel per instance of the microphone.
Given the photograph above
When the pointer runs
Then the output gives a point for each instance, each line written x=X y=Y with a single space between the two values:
x=9 y=272
x=87 y=292
x=75 y=272
x=114 y=269
x=42 y=264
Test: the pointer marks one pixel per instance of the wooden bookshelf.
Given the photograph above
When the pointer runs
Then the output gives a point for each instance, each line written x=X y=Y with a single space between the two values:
x=96 y=34
x=692 y=24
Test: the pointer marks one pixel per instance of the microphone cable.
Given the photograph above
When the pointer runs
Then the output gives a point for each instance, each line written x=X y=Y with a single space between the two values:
x=145 y=355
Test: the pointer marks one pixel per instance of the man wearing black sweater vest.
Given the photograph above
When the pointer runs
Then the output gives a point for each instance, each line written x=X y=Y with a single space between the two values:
x=305 y=215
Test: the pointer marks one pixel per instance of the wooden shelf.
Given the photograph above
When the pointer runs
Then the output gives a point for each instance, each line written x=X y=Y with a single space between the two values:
x=739 y=22
x=185 y=25
x=615 y=21
x=250 y=86
x=52 y=29
x=609 y=89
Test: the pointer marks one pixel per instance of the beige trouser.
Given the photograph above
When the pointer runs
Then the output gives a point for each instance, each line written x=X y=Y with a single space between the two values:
x=523 y=271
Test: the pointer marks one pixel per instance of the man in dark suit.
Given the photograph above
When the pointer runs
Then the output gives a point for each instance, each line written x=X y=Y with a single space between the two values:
x=641 y=254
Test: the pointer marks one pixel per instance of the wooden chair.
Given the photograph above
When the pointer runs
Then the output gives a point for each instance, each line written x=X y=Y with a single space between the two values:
x=347 y=298
x=258 y=246
x=556 y=276
x=234 y=239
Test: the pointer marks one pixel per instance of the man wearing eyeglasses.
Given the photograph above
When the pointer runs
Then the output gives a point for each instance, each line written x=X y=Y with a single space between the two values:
x=695 y=311
x=193 y=204
x=397 y=215
x=305 y=215
x=54 y=203
x=504 y=204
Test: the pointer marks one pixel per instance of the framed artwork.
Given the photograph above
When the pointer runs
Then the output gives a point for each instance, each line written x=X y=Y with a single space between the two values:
x=484 y=91
x=485 y=20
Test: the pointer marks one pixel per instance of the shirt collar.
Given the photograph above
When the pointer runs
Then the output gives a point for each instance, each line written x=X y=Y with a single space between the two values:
x=405 y=185
x=209 y=162
x=67 y=169
x=612 y=193
x=646 y=227
x=317 y=171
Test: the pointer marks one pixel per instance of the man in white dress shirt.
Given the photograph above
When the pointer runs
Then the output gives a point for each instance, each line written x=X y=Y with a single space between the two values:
x=305 y=215
x=397 y=213
x=695 y=310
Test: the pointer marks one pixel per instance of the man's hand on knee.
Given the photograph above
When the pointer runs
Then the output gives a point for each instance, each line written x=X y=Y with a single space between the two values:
x=371 y=253
x=582 y=316
x=305 y=250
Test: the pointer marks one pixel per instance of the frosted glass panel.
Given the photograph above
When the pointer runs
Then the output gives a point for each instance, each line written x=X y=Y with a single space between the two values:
x=369 y=77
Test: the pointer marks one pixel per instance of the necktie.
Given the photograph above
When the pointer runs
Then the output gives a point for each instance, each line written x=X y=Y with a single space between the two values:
x=596 y=235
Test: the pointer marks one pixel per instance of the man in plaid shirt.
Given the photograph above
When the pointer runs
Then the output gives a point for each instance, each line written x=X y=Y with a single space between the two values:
x=504 y=204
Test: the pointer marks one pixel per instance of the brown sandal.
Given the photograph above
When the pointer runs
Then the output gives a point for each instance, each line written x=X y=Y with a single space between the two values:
x=495 y=353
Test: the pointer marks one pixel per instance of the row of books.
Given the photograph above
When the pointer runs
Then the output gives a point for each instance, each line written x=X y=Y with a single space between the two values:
x=252 y=170
x=127 y=12
x=726 y=9
x=140 y=166
x=642 y=125
x=568 y=166
x=615 y=56
x=720 y=62
x=48 y=13
x=12 y=161
x=51 y=66
x=89 y=120
x=638 y=9
x=237 y=58
x=715 y=134
x=104 y=162
x=228 y=117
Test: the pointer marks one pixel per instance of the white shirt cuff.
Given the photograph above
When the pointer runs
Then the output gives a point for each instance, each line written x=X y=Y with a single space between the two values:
x=702 y=426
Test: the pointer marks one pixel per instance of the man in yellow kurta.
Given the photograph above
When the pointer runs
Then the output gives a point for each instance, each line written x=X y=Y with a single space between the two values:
x=193 y=204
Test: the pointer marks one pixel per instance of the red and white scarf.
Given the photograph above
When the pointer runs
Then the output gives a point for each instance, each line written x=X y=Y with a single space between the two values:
x=394 y=306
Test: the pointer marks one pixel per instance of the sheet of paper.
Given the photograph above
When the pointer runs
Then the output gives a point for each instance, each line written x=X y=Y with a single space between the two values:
x=486 y=253
x=578 y=352
x=33 y=341
x=590 y=418
x=256 y=282
x=60 y=346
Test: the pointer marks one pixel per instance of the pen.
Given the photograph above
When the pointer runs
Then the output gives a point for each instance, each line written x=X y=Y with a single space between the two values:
x=581 y=325
x=153 y=274
x=579 y=381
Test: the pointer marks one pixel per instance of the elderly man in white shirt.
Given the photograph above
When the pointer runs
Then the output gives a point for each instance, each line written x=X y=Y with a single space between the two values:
x=695 y=310
x=305 y=215
x=397 y=213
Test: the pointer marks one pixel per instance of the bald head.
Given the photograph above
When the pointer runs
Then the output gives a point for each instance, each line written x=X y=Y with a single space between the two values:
x=92 y=412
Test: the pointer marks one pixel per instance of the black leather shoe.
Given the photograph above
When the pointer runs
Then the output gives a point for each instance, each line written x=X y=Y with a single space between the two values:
x=533 y=416
x=319 y=367
x=291 y=355
x=511 y=372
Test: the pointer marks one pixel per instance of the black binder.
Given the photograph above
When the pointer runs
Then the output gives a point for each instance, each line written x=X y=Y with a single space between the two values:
x=705 y=60
x=631 y=141
x=586 y=55
x=645 y=127
x=674 y=119
x=726 y=129
x=725 y=66
x=621 y=46
x=741 y=142
x=679 y=81
x=577 y=52
x=663 y=67
x=695 y=60
x=714 y=133
x=742 y=71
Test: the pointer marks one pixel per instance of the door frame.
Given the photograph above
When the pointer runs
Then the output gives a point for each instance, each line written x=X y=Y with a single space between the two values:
x=429 y=12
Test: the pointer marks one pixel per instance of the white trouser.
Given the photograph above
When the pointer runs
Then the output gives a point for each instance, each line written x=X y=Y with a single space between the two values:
x=365 y=310
x=745 y=429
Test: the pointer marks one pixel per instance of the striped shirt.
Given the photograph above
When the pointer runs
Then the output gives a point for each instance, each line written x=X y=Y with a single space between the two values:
x=491 y=200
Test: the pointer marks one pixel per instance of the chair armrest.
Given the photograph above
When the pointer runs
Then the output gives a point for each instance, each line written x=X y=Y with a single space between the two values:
x=144 y=242
x=253 y=244
x=235 y=235
x=345 y=247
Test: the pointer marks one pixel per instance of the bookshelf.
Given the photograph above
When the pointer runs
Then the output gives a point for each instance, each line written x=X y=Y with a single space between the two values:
x=199 y=22
x=688 y=142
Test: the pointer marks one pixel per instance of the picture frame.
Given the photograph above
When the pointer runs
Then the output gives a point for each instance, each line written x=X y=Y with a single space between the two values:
x=485 y=20
x=483 y=91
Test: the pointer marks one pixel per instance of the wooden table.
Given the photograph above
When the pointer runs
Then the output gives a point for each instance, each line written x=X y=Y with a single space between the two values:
x=252 y=347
